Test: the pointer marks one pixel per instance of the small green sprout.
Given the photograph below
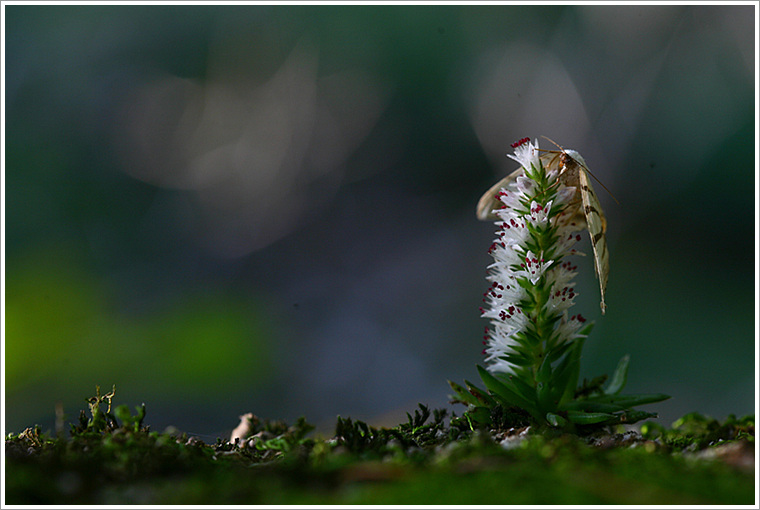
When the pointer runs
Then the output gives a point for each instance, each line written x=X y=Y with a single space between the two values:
x=100 y=420
x=106 y=421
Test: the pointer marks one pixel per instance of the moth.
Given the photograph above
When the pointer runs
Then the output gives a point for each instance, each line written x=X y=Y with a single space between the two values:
x=574 y=172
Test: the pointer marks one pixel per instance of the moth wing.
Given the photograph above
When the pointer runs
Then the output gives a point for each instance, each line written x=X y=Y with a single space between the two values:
x=488 y=202
x=596 y=224
x=550 y=160
x=578 y=219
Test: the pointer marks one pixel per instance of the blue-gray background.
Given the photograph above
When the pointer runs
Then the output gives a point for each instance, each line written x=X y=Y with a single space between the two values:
x=271 y=208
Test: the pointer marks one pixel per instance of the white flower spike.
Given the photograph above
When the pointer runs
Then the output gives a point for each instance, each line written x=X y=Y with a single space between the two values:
x=530 y=280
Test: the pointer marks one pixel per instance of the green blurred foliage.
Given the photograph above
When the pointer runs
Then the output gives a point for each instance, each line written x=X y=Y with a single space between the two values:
x=62 y=323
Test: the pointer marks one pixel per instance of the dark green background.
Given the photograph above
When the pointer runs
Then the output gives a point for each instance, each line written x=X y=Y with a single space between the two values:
x=271 y=208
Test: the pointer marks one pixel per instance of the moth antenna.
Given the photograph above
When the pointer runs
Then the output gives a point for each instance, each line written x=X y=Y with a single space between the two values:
x=601 y=184
x=555 y=143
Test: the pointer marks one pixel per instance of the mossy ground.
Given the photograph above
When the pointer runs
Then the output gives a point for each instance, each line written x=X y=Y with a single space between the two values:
x=112 y=458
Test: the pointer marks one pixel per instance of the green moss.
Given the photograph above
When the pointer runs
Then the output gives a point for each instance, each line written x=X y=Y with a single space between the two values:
x=695 y=431
x=113 y=458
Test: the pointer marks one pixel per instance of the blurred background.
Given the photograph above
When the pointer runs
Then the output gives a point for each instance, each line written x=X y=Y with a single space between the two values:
x=224 y=209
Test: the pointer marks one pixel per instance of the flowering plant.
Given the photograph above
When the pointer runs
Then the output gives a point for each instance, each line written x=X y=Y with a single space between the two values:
x=533 y=345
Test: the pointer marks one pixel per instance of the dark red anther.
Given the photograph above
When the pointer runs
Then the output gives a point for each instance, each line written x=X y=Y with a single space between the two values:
x=520 y=142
